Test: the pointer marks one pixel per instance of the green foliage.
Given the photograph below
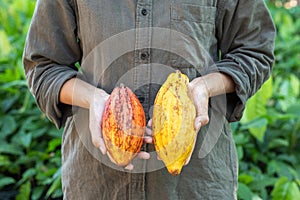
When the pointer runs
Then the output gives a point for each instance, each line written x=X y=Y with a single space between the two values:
x=29 y=144
x=288 y=41
x=285 y=190
x=255 y=115
x=267 y=137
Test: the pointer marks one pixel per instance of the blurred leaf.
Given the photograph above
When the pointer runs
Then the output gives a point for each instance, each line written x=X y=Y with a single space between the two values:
x=25 y=139
x=287 y=26
x=263 y=183
x=10 y=149
x=27 y=175
x=4 y=181
x=256 y=108
x=289 y=89
x=240 y=152
x=16 y=83
x=257 y=127
x=255 y=197
x=24 y=193
x=245 y=178
x=56 y=185
x=8 y=103
x=280 y=168
x=37 y=193
x=4 y=161
x=285 y=190
x=5 y=47
x=244 y=192
x=53 y=144
x=8 y=124
x=52 y=177
x=294 y=109
x=278 y=143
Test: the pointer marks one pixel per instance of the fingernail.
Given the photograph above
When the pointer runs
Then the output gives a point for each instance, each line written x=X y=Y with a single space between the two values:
x=129 y=167
x=197 y=125
x=102 y=150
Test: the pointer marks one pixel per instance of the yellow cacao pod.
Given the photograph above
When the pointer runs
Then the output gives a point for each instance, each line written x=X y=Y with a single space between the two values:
x=173 y=122
x=123 y=125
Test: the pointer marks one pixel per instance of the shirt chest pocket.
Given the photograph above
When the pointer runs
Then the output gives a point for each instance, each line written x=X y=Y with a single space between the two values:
x=195 y=21
x=197 y=24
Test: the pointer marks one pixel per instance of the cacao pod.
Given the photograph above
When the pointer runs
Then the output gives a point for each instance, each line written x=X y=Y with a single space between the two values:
x=123 y=125
x=173 y=122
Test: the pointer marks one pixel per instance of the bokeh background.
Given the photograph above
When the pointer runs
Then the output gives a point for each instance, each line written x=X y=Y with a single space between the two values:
x=267 y=138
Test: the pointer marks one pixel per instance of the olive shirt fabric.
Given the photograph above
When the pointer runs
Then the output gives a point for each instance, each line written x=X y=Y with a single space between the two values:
x=237 y=34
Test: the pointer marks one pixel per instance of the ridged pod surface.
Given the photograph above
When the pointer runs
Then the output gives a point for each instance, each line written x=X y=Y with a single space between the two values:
x=123 y=125
x=173 y=122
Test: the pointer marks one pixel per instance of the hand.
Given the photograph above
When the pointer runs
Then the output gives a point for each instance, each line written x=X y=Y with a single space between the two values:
x=97 y=104
x=96 y=109
x=199 y=94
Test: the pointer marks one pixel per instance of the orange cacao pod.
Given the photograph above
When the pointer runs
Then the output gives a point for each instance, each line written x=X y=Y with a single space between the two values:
x=123 y=125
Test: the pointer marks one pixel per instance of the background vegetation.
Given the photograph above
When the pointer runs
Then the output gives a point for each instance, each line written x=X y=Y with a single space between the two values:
x=267 y=138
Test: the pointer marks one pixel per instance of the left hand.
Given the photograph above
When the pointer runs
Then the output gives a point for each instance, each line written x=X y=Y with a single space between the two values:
x=199 y=94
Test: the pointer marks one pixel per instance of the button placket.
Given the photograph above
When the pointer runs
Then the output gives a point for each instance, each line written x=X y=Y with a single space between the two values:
x=143 y=42
x=142 y=72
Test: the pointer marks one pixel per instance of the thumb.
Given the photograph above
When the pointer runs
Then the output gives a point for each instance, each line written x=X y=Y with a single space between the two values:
x=200 y=121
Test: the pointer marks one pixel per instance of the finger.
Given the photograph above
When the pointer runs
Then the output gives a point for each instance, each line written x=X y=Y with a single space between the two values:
x=148 y=139
x=143 y=155
x=148 y=131
x=97 y=139
x=190 y=156
x=197 y=124
x=200 y=99
x=187 y=161
x=149 y=124
x=200 y=121
x=201 y=113
x=158 y=158
x=102 y=147
x=129 y=167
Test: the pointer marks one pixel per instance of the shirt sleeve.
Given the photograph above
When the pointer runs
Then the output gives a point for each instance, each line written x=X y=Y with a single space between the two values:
x=246 y=36
x=51 y=50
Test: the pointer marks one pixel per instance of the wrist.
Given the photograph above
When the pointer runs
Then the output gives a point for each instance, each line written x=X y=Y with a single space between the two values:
x=199 y=86
x=77 y=92
x=218 y=83
x=97 y=95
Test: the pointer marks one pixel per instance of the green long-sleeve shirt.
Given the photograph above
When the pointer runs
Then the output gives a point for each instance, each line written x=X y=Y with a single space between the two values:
x=139 y=42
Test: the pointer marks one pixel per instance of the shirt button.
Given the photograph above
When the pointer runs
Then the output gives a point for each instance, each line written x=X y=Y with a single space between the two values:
x=144 y=12
x=144 y=55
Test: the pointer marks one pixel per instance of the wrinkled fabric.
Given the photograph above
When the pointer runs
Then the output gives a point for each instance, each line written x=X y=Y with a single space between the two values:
x=134 y=41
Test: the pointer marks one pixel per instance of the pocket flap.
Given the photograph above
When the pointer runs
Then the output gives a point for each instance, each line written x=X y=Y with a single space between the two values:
x=195 y=13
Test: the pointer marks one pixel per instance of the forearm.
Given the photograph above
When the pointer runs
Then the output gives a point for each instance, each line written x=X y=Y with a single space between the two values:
x=79 y=93
x=214 y=84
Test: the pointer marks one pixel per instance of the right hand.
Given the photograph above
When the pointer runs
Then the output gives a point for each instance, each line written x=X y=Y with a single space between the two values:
x=97 y=104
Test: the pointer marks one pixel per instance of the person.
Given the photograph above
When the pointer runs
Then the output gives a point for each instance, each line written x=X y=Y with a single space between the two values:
x=239 y=37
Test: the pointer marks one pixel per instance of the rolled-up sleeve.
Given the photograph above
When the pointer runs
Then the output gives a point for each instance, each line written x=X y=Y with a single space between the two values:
x=51 y=50
x=246 y=35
